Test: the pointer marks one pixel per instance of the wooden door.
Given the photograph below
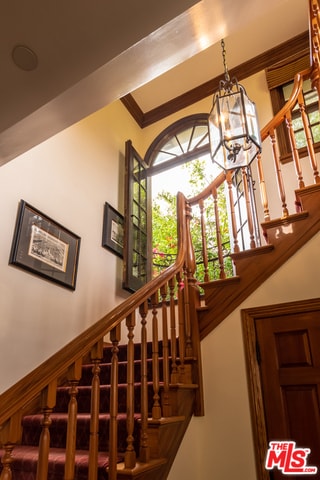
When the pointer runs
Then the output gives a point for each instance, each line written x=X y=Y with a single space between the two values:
x=287 y=344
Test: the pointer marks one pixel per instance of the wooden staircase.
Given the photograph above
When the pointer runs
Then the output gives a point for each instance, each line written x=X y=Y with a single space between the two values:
x=167 y=318
x=162 y=384
x=154 y=424
x=284 y=237
x=165 y=433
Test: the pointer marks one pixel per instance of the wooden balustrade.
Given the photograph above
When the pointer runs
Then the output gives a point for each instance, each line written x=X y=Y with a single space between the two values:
x=166 y=290
x=208 y=199
x=130 y=455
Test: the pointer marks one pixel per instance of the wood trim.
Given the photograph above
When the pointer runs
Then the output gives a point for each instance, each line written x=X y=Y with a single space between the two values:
x=249 y=316
x=246 y=69
x=255 y=394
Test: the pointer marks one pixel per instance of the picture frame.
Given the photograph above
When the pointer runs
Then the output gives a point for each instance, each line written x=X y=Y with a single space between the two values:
x=42 y=246
x=113 y=230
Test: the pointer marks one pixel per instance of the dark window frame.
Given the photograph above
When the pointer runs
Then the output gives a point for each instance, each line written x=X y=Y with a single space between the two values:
x=195 y=147
x=278 y=101
x=278 y=76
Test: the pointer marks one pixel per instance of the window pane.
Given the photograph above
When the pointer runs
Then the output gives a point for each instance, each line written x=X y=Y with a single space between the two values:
x=312 y=110
x=300 y=139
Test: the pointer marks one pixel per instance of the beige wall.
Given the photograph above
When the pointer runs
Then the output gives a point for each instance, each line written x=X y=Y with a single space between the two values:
x=69 y=178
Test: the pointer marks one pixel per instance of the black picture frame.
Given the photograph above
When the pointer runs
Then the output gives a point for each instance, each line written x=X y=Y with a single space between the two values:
x=44 y=247
x=113 y=230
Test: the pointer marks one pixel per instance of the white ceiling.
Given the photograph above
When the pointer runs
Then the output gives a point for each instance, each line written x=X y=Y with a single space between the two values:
x=92 y=53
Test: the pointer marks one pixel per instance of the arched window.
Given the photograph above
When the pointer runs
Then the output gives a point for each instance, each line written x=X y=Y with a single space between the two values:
x=181 y=142
x=185 y=140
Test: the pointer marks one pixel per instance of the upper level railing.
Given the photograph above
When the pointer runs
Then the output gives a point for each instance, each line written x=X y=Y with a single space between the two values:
x=206 y=217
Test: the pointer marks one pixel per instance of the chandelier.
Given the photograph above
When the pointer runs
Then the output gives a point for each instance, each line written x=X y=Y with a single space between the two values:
x=234 y=131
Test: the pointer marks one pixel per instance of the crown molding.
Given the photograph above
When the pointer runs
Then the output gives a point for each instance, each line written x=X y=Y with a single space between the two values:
x=246 y=69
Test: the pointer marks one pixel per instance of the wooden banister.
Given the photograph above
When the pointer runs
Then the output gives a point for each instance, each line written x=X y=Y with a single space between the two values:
x=66 y=366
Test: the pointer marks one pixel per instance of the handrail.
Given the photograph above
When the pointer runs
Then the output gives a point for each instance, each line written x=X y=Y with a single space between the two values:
x=215 y=184
x=208 y=222
x=31 y=385
x=279 y=117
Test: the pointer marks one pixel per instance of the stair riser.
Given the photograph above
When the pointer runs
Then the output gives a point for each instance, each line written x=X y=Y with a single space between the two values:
x=84 y=399
x=58 y=433
x=105 y=373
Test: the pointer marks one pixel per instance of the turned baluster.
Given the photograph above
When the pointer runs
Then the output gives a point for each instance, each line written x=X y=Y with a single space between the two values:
x=236 y=248
x=218 y=233
x=166 y=407
x=144 y=447
x=181 y=326
x=156 y=409
x=315 y=42
x=275 y=153
x=173 y=334
x=263 y=190
x=10 y=435
x=186 y=305
x=73 y=375
x=248 y=207
x=294 y=150
x=6 y=461
x=48 y=401
x=307 y=131
x=314 y=30
x=204 y=241
x=130 y=455
x=96 y=358
x=113 y=430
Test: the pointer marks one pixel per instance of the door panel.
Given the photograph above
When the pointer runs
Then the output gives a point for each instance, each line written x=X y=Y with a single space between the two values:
x=289 y=347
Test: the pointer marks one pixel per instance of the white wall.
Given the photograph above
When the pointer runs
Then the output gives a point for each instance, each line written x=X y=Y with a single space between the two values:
x=220 y=445
x=69 y=178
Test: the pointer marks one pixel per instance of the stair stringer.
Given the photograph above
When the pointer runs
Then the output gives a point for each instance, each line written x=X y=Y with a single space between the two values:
x=284 y=237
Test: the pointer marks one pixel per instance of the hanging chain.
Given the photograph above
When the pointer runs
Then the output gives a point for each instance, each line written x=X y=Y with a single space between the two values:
x=226 y=73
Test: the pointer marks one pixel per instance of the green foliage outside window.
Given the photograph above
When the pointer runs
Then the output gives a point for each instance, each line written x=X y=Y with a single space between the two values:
x=164 y=225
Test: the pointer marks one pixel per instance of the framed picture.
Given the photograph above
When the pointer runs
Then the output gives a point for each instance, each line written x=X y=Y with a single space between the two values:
x=113 y=230
x=44 y=247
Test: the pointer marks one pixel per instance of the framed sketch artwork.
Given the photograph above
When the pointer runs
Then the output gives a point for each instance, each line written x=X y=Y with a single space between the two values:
x=113 y=230
x=44 y=247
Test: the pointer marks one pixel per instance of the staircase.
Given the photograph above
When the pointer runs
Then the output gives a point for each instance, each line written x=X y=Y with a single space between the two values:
x=284 y=237
x=165 y=434
x=138 y=396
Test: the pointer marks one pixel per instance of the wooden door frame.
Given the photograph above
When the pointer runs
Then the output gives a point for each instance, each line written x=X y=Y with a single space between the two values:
x=248 y=317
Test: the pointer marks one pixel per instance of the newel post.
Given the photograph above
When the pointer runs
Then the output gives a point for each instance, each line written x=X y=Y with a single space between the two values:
x=191 y=303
